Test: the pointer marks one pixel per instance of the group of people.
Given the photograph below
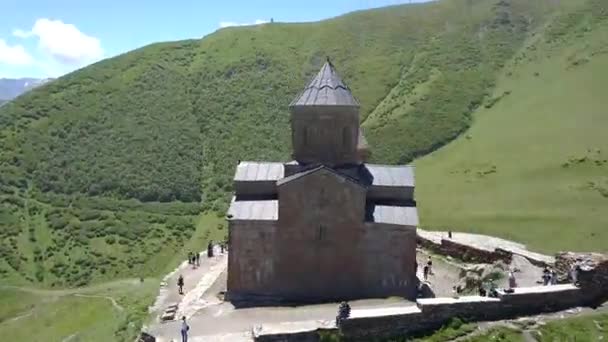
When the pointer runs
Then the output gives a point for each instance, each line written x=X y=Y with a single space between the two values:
x=194 y=259
x=488 y=289
x=427 y=269
x=549 y=276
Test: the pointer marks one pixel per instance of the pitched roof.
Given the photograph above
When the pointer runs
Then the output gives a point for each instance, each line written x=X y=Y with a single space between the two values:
x=314 y=170
x=326 y=89
x=255 y=171
x=406 y=216
x=391 y=175
x=262 y=210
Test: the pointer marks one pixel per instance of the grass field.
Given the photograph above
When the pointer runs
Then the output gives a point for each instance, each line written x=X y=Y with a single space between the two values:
x=84 y=314
x=533 y=167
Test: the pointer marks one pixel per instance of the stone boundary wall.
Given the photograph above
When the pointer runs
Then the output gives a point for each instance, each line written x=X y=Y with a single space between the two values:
x=468 y=252
x=432 y=313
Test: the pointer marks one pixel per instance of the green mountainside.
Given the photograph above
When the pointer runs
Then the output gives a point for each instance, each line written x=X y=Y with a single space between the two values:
x=108 y=169
x=117 y=170
x=534 y=165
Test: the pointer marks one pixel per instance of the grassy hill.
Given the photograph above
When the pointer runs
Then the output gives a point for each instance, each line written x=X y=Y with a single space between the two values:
x=107 y=169
x=117 y=170
x=534 y=165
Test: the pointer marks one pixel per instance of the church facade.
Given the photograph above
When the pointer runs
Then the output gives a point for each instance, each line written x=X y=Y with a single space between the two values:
x=326 y=226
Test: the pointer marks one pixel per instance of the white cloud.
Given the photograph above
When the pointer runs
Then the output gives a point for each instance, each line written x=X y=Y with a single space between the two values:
x=14 y=55
x=21 y=34
x=232 y=23
x=65 y=43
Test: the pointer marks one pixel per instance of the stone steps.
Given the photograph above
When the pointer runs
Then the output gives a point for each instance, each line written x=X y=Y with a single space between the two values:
x=169 y=313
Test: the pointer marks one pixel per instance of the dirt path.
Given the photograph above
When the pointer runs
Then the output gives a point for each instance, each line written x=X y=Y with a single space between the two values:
x=66 y=292
x=197 y=281
x=111 y=299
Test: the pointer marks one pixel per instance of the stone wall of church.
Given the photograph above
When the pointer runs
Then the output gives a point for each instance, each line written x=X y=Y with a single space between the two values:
x=390 y=260
x=250 y=261
x=328 y=135
x=318 y=244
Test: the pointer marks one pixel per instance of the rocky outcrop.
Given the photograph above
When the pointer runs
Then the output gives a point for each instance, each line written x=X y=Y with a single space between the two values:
x=592 y=276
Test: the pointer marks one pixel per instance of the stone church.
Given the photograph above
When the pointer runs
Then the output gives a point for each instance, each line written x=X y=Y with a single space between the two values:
x=326 y=226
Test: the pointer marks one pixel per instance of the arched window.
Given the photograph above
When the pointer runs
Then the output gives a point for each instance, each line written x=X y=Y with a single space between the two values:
x=346 y=137
x=321 y=233
x=305 y=136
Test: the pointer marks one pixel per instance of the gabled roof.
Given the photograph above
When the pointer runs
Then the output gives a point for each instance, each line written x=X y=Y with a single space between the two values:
x=315 y=170
x=326 y=89
x=255 y=172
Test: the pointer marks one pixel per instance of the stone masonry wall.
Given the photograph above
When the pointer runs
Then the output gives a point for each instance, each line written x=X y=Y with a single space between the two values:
x=432 y=313
x=465 y=252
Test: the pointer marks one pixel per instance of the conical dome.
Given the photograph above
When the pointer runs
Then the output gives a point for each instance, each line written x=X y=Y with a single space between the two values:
x=326 y=89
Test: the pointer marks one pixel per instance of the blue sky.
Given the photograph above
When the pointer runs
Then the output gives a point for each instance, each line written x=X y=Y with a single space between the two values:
x=48 y=38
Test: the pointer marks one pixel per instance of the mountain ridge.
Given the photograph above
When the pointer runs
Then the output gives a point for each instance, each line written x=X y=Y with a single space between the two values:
x=10 y=88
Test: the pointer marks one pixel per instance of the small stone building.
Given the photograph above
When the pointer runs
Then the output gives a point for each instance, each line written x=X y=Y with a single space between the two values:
x=326 y=226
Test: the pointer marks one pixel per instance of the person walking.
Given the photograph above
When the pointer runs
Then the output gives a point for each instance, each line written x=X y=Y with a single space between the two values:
x=574 y=269
x=512 y=281
x=429 y=263
x=198 y=259
x=184 y=329
x=180 y=284
x=546 y=276
x=425 y=272
x=553 y=277
x=190 y=258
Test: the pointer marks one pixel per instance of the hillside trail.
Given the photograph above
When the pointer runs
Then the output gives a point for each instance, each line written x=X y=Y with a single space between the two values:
x=197 y=280
x=82 y=292
x=78 y=290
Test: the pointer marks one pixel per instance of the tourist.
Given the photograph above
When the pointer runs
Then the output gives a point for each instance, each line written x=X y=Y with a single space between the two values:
x=546 y=276
x=449 y=234
x=190 y=258
x=222 y=248
x=425 y=272
x=512 y=281
x=184 y=329
x=180 y=284
x=482 y=290
x=553 y=277
x=343 y=313
x=210 y=249
x=456 y=291
x=574 y=269
x=198 y=259
x=429 y=263
x=493 y=292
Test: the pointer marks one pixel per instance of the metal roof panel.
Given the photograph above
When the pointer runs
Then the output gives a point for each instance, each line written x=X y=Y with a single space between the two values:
x=391 y=175
x=262 y=210
x=255 y=171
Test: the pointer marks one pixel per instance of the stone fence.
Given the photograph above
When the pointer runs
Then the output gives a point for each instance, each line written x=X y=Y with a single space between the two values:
x=431 y=313
x=478 y=248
